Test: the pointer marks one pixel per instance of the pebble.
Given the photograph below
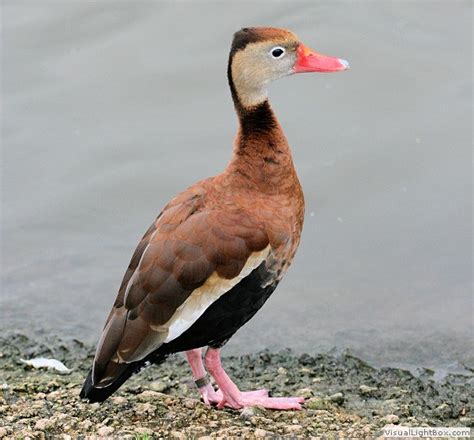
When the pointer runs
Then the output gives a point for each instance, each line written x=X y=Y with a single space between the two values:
x=337 y=398
x=144 y=408
x=3 y=432
x=85 y=425
x=43 y=424
x=158 y=386
x=443 y=411
x=191 y=403
x=105 y=431
x=248 y=412
x=149 y=395
x=315 y=403
x=391 y=418
x=366 y=390
x=466 y=421
x=260 y=433
x=305 y=392
x=142 y=430
x=294 y=428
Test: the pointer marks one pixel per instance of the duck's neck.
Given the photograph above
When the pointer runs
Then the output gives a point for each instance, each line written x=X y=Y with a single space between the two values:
x=261 y=158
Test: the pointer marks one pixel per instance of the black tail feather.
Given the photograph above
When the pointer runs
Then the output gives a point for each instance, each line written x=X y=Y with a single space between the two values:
x=93 y=394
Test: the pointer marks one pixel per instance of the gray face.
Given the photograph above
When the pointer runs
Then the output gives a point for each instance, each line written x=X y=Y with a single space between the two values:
x=260 y=63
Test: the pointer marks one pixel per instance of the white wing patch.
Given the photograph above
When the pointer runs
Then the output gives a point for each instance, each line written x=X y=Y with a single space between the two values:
x=200 y=299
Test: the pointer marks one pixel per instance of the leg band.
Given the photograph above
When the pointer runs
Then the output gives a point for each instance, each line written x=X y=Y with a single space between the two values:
x=202 y=382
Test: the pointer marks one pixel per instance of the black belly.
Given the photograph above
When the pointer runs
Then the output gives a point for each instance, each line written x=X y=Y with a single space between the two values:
x=226 y=315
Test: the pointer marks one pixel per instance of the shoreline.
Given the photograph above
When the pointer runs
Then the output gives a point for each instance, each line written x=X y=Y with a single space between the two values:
x=345 y=397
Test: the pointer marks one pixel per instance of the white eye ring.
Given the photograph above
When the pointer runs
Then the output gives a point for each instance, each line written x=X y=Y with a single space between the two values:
x=277 y=52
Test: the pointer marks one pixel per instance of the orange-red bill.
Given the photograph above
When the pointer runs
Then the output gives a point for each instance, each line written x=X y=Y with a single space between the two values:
x=310 y=61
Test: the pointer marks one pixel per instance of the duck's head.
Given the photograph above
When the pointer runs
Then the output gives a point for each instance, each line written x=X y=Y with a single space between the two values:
x=262 y=54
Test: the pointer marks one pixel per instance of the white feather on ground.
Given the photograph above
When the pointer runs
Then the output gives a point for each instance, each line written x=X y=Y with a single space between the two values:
x=46 y=363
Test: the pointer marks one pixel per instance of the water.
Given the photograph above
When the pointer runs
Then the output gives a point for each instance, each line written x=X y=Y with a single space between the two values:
x=111 y=108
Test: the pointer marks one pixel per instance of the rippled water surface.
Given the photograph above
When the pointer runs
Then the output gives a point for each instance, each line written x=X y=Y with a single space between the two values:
x=111 y=108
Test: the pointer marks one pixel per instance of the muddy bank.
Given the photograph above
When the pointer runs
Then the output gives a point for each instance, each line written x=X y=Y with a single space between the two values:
x=345 y=397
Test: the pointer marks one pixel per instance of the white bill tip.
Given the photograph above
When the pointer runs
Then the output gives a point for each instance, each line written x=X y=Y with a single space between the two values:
x=345 y=63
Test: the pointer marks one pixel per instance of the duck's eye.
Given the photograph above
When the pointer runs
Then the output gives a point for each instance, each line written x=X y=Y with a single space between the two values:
x=277 y=52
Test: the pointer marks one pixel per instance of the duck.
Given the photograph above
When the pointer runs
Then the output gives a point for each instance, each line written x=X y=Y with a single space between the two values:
x=217 y=251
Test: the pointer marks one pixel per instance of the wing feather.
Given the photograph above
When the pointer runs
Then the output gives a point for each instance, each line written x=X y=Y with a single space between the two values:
x=193 y=253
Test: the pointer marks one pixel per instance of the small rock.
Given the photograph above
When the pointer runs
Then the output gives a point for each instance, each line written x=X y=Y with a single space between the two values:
x=191 y=403
x=466 y=421
x=177 y=434
x=306 y=359
x=141 y=430
x=85 y=425
x=315 y=403
x=3 y=432
x=105 y=431
x=395 y=392
x=158 y=386
x=305 y=392
x=248 y=412
x=260 y=433
x=294 y=428
x=118 y=400
x=282 y=371
x=366 y=390
x=53 y=395
x=392 y=419
x=149 y=395
x=197 y=429
x=337 y=398
x=43 y=424
x=144 y=408
x=443 y=411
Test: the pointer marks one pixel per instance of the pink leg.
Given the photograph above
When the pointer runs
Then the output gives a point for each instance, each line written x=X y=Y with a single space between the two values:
x=208 y=394
x=234 y=398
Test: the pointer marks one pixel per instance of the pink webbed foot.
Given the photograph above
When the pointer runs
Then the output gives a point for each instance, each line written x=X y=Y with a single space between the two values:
x=217 y=397
x=232 y=397
x=243 y=400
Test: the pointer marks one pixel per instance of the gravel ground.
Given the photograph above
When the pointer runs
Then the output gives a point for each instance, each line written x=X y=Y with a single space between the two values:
x=345 y=397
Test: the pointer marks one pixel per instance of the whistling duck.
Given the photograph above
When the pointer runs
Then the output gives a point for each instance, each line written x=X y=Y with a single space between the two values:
x=217 y=251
